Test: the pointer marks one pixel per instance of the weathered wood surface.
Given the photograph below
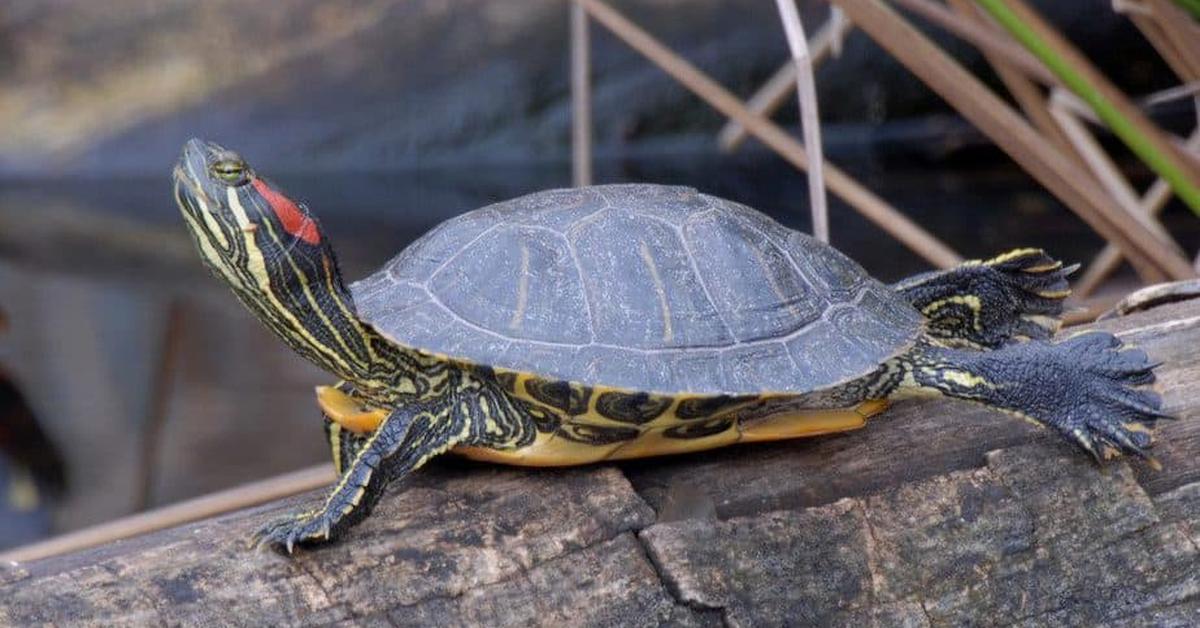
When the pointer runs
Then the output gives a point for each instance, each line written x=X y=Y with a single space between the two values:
x=937 y=514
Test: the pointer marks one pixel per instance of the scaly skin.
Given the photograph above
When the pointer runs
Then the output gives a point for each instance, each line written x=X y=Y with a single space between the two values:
x=1084 y=387
x=986 y=304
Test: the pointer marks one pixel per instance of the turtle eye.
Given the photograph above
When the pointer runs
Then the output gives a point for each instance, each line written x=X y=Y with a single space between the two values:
x=232 y=172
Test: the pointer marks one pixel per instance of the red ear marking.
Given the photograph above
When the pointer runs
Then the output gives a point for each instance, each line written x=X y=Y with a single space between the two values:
x=294 y=220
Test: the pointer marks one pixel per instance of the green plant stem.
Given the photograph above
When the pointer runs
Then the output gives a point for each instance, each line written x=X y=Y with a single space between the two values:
x=1192 y=6
x=1141 y=145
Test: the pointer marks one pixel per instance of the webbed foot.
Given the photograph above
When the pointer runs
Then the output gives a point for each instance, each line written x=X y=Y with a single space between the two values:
x=412 y=434
x=1109 y=416
x=1086 y=387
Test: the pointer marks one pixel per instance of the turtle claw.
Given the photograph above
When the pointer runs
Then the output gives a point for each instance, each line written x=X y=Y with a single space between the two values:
x=283 y=535
x=1111 y=416
x=1087 y=387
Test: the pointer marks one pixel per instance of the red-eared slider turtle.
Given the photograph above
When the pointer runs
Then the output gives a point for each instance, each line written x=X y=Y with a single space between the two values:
x=620 y=321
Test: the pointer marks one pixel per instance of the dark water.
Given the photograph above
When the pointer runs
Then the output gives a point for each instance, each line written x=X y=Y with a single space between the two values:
x=90 y=269
x=128 y=229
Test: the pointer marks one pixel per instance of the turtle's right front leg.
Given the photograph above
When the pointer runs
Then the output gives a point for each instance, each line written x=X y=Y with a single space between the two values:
x=407 y=439
x=469 y=410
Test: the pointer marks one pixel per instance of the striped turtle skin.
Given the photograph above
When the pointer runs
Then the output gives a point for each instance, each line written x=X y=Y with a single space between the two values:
x=640 y=287
x=612 y=322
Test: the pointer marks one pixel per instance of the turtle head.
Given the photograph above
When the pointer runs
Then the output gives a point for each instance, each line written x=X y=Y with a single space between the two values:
x=271 y=251
x=238 y=217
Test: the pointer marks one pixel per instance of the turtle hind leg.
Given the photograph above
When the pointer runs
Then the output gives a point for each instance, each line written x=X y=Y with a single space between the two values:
x=987 y=304
x=1085 y=387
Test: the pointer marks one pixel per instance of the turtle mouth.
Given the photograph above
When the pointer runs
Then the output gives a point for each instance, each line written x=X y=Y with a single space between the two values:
x=180 y=177
x=187 y=189
x=191 y=167
x=194 y=181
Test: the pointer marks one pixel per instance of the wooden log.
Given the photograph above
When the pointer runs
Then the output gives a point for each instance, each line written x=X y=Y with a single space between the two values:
x=937 y=513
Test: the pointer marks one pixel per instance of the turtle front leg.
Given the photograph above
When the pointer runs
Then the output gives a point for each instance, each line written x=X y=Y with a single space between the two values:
x=1085 y=387
x=407 y=439
x=990 y=303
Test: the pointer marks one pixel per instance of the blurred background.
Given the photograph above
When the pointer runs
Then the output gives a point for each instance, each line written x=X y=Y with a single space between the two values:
x=133 y=379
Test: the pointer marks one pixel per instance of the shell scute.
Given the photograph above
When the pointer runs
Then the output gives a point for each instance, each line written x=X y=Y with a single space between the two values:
x=642 y=288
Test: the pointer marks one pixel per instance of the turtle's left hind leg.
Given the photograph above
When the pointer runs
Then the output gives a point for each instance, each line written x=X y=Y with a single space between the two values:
x=986 y=304
x=1085 y=387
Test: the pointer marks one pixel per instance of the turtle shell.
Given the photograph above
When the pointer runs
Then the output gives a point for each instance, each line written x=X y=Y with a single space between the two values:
x=640 y=287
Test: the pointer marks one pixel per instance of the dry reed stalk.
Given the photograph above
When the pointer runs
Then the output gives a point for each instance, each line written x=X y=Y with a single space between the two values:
x=581 y=99
x=1010 y=132
x=774 y=92
x=1181 y=30
x=1152 y=203
x=866 y=202
x=986 y=39
x=1106 y=172
x=1158 y=39
x=212 y=505
x=154 y=421
x=1027 y=94
x=810 y=120
x=1107 y=260
x=1124 y=119
x=1179 y=92
x=1147 y=20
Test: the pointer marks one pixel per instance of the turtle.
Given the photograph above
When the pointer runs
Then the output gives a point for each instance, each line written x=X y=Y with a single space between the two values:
x=602 y=323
